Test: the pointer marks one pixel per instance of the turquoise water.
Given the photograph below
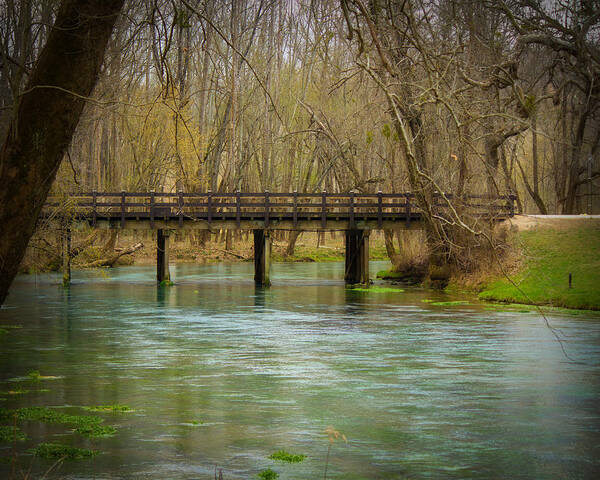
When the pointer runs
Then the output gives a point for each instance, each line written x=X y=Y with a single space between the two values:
x=222 y=374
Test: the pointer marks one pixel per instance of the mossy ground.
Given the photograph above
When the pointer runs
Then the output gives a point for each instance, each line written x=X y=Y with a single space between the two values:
x=549 y=255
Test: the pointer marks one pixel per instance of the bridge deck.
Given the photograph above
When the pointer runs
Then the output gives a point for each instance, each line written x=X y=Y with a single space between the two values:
x=287 y=211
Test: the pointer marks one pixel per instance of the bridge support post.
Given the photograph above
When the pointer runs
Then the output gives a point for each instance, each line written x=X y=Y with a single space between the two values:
x=162 y=256
x=357 y=257
x=66 y=256
x=262 y=258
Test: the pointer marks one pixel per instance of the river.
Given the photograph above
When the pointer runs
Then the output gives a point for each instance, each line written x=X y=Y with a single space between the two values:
x=220 y=374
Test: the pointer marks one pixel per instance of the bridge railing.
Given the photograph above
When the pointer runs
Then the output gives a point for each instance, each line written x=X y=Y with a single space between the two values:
x=267 y=206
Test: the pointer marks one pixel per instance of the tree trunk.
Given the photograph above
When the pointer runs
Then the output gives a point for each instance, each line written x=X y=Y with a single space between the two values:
x=45 y=120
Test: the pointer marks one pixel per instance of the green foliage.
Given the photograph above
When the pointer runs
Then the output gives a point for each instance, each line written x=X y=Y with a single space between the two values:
x=166 y=283
x=10 y=433
x=284 y=456
x=268 y=474
x=57 y=450
x=34 y=375
x=369 y=139
x=87 y=425
x=549 y=256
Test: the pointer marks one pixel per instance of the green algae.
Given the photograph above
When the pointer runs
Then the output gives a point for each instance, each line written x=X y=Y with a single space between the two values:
x=284 y=456
x=10 y=433
x=58 y=450
x=86 y=425
x=95 y=430
x=268 y=474
x=450 y=303
x=377 y=289
x=110 y=408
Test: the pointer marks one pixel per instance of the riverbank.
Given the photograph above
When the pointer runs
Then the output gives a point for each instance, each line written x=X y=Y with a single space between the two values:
x=546 y=253
x=310 y=247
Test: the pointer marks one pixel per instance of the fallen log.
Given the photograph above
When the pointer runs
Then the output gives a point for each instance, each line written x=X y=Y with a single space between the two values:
x=110 y=261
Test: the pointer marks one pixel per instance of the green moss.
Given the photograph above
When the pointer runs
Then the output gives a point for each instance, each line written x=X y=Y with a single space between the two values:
x=10 y=433
x=268 y=474
x=390 y=275
x=3 y=331
x=166 y=283
x=548 y=257
x=284 y=456
x=87 y=425
x=377 y=289
x=57 y=450
x=110 y=408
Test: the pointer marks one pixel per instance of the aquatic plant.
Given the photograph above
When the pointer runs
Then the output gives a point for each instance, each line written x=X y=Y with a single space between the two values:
x=87 y=425
x=94 y=430
x=110 y=408
x=450 y=303
x=284 y=456
x=16 y=391
x=35 y=376
x=10 y=433
x=333 y=435
x=268 y=474
x=57 y=450
x=377 y=289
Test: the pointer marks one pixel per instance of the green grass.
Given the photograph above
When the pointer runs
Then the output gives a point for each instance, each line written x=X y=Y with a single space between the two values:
x=57 y=450
x=284 y=456
x=86 y=425
x=549 y=256
x=314 y=254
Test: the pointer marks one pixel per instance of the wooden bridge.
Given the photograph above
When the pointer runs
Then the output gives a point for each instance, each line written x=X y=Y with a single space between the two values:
x=354 y=213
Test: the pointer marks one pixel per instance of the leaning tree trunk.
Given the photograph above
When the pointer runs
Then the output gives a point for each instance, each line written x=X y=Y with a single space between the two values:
x=45 y=120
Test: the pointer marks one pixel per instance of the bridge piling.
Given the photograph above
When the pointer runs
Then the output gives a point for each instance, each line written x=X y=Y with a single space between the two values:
x=162 y=256
x=262 y=257
x=357 y=257
x=66 y=256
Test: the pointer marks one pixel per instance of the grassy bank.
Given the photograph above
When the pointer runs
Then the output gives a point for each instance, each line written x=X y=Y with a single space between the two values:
x=547 y=256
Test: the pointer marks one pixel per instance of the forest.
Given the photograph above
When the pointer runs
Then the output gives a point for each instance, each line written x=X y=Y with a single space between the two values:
x=458 y=96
